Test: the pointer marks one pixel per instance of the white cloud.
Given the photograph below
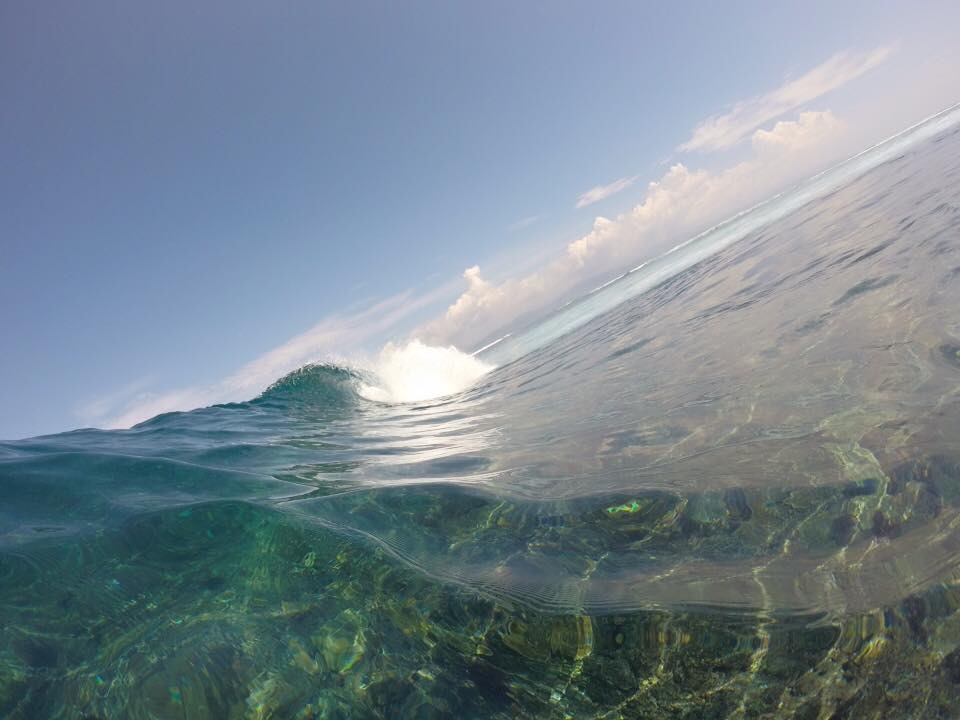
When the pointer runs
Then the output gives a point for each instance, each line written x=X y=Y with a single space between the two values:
x=523 y=223
x=602 y=192
x=809 y=129
x=94 y=411
x=723 y=131
x=681 y=203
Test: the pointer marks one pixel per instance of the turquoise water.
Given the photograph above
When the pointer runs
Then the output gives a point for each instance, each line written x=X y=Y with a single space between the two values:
x=726 y=485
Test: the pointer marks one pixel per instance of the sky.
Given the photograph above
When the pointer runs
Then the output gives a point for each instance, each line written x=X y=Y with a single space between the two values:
x=196 y=198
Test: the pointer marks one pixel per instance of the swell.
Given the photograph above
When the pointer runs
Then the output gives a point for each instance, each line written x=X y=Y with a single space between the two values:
x=596 y=556
x=743 y=550
x=321 y=385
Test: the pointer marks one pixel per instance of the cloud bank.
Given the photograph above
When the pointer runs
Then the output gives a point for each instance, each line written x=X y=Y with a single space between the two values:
x=720 y=132
x=681 y=203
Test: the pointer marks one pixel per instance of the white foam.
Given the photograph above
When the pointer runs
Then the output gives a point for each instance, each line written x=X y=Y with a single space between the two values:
x=415 y=372
x=490 y=345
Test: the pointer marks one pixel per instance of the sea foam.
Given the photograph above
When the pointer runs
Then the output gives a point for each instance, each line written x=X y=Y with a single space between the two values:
x=414 y=372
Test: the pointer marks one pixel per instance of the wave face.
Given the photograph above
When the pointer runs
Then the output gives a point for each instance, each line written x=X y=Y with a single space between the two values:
x=738 y=464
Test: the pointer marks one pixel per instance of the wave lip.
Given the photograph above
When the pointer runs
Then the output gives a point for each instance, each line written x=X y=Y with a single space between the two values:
x=319 y=384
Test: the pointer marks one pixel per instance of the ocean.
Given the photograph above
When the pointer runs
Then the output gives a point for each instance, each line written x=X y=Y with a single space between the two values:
x=724 y=485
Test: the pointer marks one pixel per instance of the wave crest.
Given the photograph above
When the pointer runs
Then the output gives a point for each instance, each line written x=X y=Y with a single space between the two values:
x=416 y=372
x=316 y=384
x=413 y=372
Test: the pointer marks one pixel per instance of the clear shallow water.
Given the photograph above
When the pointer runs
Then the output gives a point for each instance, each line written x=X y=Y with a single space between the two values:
x=727 y=490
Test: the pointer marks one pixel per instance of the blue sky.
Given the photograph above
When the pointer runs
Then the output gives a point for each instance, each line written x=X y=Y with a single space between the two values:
x=196 y=197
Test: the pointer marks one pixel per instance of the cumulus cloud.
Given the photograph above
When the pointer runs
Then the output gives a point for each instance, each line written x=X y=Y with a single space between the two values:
x=723 y=131
x=810 y=128
x=683 y=202
x=602 y=192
